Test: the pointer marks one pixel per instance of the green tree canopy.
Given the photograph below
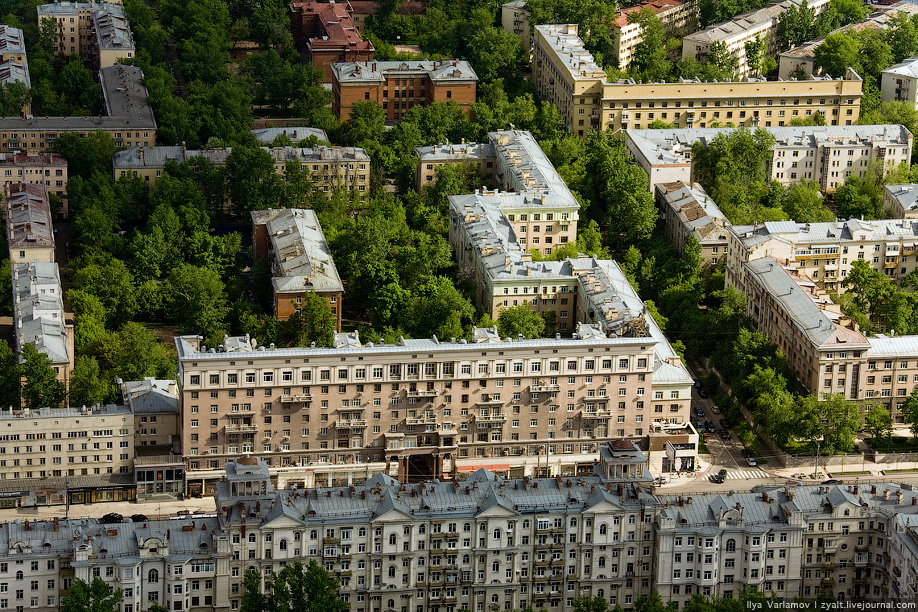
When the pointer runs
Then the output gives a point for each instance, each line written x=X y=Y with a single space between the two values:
x=312 y=321
x=520 y=320
x=41 y=388
x=91 y=597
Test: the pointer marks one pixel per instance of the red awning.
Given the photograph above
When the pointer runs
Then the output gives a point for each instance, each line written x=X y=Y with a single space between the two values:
x=494 y=467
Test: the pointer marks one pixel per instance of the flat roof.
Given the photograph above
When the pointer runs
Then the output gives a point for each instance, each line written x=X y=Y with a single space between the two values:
x=377 y=71
x=738 y=26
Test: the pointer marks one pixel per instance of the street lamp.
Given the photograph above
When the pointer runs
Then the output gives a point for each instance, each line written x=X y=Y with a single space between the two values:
x=816 y=469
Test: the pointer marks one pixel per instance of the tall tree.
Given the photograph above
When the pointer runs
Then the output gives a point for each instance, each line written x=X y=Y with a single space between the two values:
x=9 y=376
x=878 y=422
x=650 y=61
x=312 y=321
x=196 y=297
x=41 y=388
x=910 y=412
x=520 y=320
x=91 y=597
x=251 y=180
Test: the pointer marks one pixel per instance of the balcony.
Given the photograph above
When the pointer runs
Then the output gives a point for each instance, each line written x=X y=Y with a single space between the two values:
x=498 y=419
x=291 y=399
x=427 y=419
x=827 y=582
x=603 y=413
x=351 y=424
x=423 y=393
x=830 y=547
x=860 y=548
x=489 y=400
x=235 y=429
x=828 y=566
x=543 y=388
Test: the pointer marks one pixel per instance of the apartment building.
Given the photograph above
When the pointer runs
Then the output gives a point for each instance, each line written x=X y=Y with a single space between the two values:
x=801 y=60
x=14 y=65
x=757 y=24
x=821 y=345
x=514 y=18
x=899 y=83
x=48 y=169
x=66 y=455
x=29 y=229
x=567 y=75
x=481 y=155
x=325 y=33
x=330 y=167
x=903 y=551
x=128 y=117
x=95 y=31
x=412 y=409
x=401 y=85
x=900 y=201
x=825 y=251
x=154 y=404
x=750 y=103
x=301 y=261
x=825 y=154
x=687 y=211
x=361 y=10
x=38 y=314
x=676 y=16
x=482 y=541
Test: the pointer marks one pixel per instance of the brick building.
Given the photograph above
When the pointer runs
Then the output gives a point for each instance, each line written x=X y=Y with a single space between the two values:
x=325 y=33
x=399 y=86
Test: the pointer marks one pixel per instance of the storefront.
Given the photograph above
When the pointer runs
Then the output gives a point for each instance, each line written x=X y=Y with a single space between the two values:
x=36 y=492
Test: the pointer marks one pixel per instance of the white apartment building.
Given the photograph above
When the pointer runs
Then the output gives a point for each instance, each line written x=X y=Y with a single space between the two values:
x=38 y=314
x=825 y=154
x=675 y=15
x=899 y=83
x=760 y=23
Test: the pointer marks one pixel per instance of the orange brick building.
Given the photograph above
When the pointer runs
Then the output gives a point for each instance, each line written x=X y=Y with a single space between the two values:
x=325 y=32
x=300 y=259
x=399 y=86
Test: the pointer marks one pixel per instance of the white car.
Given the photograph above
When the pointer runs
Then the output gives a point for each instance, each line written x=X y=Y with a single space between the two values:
x=751 y=462
x=715 y=409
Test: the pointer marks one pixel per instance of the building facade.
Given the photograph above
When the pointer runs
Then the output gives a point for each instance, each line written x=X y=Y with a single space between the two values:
x=325 y=33
x=825 y=154
x=900 y=201
x=301 y=261
x=688 y=211
x=401 y=85
x=759 y=24
x=29 y=229
x=514 y=17
x=676 y=16
x=98 y=32
x=899 y=83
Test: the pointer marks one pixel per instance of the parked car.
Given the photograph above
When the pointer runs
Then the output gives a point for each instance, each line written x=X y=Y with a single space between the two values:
x=724 y=423
x=751 y=462
x=715 y=409
x=707 y=437
x=702 y=392
x=699 y=412
x=111 y=517
x=725 y=434
x=697 y=383
x=746 y=453
x=719 y=476
x=709 y=427
x=139 y=518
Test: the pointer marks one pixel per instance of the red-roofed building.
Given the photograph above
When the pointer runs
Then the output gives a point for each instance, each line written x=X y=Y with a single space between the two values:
x=677 y=16
x=327 y=34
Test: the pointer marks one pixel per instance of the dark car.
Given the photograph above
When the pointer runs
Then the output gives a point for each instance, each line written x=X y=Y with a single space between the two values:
x=725 y=434
x=832 y=481
x=139 y=518
x=697 y=383
x=709 y=427
x=111 y=517
x=746 y=453
x=702 y=393
x=720 y=476
x=724 y=423
x=699 y=412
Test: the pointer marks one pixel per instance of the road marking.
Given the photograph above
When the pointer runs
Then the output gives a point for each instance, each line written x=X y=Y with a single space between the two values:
x=747 y=474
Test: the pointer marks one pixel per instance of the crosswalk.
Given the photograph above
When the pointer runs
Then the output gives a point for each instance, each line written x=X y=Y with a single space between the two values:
x=746 y=474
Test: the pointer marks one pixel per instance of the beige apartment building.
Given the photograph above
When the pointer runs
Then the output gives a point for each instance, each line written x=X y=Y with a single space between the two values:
x=96 y=31
x=757 y=24
x=128 y=117
x=899 y=83
x=29 y=229
x=567 y=75
x=676 y=16
x=514 y=17
x=826 y=251
x=330 y=167
x=901 y=201
x=688 y=211
x=421 y=407
x=825 y=154
x=48 y=169
x=751 y=103
x=38 y=315
x=301 y=261
x=154 y=404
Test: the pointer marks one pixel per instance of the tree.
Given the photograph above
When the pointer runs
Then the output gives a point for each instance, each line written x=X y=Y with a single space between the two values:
x=756 y=53
x=41 y=388
x=910 y=412
x=803 y=202
x=436 y=308
x=312 y=321
x=251 y=180
x=591 y=604
x=837 y=53
x=85 y=154
x=296 y=588
x=834 y=421
x=367 y=123
x=86 y=384
x=520 y=320
x=878 y=422
x=109 y=280
x=253 y=600
x=91 y=597
x=495 y=53
x=796 y=25
x=721 y=63
x=9 y=376
x=196 y=298
x=649 y=62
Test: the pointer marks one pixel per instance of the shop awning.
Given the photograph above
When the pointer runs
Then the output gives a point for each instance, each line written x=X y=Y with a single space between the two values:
x=494 y=467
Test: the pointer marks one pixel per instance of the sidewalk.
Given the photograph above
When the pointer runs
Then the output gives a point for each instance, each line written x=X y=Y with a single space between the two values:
x=152 y=510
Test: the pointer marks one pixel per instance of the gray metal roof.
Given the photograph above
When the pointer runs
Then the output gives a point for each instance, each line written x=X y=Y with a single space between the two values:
x=906 y=195
x=151 y=396
x=12 y=40
x=377 y=71
x=295 y=133
x=740 y=25
x=38 y=310
x=28 y=216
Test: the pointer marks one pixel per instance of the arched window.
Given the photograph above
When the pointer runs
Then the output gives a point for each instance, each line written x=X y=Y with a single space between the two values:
x=731 y=545
x=392 y=539
x=153 y=576
x=406 y=530
x=497 y=534
x=391 y=573
x=526 y=524
x=466 y=527
x=283 y=544
x=573 y=522
x=466 y=559
x=391 y=603
x=19 y=575
x=602 y=562
x=603 y=529
x=422 y=528
x=482 y=527
x=313 y=535
x=630 y=552
x=600 y=593
x=378 y=532
x=495 y=566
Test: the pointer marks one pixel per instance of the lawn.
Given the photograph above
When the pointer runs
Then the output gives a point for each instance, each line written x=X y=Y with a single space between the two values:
x=895 y=444
x=850 y=473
